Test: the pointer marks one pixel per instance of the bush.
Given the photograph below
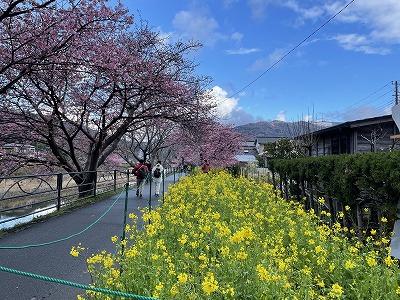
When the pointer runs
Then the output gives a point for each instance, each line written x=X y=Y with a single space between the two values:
x=358 y=179
x=219 y=237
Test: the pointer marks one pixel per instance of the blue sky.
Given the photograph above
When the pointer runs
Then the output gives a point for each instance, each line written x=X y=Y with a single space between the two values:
x=352 y=57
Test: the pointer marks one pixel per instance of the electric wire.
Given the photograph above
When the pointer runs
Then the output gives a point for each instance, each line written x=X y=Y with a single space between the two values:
x=292 y=49
x=362 y=100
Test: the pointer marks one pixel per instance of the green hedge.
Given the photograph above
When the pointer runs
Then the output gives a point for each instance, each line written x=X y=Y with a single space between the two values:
x=351 y=179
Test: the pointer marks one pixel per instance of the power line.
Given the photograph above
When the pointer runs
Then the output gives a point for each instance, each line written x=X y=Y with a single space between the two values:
x=381 y=106
x=377 y=98
x=385 y=105
x=367 y=97
x=292 y=50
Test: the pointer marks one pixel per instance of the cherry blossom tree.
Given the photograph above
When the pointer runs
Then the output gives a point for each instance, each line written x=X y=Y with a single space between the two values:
x=111 y=78
x=211 y=141
x=151 y=142
x=13 y=8
x=34 y=33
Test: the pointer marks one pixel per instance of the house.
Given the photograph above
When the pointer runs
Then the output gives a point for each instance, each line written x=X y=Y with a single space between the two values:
x=246 y=160
x=250 y=147
x=19 y=149
x=365 y=135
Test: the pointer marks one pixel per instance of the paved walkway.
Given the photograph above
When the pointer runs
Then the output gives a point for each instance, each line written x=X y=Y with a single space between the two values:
x=55 y=260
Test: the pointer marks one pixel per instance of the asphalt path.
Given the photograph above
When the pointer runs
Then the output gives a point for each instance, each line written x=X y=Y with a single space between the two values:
x=55 y=260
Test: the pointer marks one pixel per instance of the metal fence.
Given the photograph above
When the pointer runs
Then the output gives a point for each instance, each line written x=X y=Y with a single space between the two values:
x=263 y=174
x=313 y=197
x=23 y=198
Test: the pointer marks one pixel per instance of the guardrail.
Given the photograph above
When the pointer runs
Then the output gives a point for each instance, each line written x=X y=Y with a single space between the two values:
x=23 y=198
x=29 y=196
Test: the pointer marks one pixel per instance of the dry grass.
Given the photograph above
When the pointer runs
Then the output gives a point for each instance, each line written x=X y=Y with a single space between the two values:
x=27 y=191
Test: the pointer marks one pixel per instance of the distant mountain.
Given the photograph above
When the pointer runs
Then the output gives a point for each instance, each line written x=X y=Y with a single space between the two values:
x=264 y=129
x=274 y=128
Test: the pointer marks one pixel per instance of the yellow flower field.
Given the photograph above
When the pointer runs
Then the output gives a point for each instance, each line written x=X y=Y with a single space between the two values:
x=219 y=237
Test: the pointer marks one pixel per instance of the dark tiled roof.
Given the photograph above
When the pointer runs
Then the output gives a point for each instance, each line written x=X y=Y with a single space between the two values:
x=356 y=123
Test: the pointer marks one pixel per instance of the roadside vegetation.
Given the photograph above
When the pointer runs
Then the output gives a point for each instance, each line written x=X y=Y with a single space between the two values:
x=220 y=237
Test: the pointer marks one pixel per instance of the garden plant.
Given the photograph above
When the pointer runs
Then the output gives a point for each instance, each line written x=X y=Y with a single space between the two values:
x=220 y=237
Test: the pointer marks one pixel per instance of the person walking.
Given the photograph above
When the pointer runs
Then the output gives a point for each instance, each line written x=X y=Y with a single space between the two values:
x=205 y=167
x=157 y=173
x=148 y=165
x=140 y=171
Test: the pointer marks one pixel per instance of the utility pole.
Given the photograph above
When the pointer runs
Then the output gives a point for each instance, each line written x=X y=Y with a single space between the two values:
x=396 y=92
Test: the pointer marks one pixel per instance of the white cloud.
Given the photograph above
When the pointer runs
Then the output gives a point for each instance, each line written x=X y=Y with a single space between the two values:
x=380 y=19
x=225 y=105
x=237 y=36
x=360 y=43
x=166 y=37
x=194 y=25
x=242 y=51
x=228 y=109
x=311 y=13
x=258 y=7
x=228 y=3
x=281 y=116
x=240 y=117
x=263 y=63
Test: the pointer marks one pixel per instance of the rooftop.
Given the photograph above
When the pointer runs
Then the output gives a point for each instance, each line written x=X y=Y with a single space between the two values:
x=357 y=123
x=245 y=158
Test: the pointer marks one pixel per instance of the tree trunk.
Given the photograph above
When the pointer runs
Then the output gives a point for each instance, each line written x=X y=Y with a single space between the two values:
x=273 y=180
x=286 y=188
x=312 y=202
x=87 y=184
x=298 y=191
x=359 y=217
x=332 y=209
x=303 y=194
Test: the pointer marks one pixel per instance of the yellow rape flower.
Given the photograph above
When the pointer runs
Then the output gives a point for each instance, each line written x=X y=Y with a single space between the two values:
x=371 y=261
x=174 y=290
x=224 y=251
x=336 y=291
x=241 y=255
x=183 y=239
x=182 y=278
x=262 y=272
x=209 y=284
x=388 y=261
x=349 y=264
x=74 y=252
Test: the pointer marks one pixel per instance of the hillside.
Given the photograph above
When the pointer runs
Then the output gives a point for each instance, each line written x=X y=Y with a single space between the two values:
x=274 y=128
x=264 y=128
